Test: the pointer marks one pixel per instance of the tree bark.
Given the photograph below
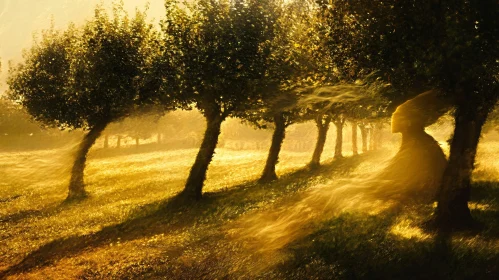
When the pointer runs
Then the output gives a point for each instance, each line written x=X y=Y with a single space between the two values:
x=379 y=136
x=338 y=148
x=76 y=184
x=363 y=135
x=452 y=208
x=355 y=149
x=376 y=136
x=322 y=127
x=194 y=185
x=371 y=138
x=269 y=174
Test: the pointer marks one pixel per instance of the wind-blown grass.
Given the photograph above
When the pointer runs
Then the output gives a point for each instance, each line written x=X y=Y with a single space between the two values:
x=133 y=226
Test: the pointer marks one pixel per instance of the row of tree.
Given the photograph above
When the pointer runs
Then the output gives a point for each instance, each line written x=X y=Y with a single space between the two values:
x=270 y=62
x=225 y=58
x=177 y=131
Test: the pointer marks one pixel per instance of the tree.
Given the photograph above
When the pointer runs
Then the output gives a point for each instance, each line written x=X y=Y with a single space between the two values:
x=280 y=124
x=369 y=108
x=339 y=122
x=363 y=134
x=288 y=65
x=355 y=127
x=272 y=112
x=140 y=125
x=445 y=45
x=224 y=49
x=369 y=116
x=322 y=122
x=85 y=78
x=336 y=73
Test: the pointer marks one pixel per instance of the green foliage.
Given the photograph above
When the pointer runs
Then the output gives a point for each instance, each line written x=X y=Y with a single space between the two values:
x=163 y=80
x=223 y=49
x=332 y=80
x=85 y=76
x=109 y=64
x=289 y=64
x=40 y=83
x=418 y=46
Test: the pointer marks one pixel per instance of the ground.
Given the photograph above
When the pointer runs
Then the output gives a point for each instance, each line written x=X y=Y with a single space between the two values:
x=132 y=225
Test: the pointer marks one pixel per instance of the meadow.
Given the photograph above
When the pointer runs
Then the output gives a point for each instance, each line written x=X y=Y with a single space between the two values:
x=132 y=226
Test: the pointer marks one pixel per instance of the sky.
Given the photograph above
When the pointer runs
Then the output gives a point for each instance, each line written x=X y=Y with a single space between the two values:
x=20 y=19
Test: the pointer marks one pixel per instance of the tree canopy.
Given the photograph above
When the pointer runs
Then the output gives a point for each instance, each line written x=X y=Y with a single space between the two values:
x=85 y=77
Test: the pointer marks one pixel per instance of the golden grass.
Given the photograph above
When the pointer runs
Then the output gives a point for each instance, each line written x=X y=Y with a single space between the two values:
x=34 y=185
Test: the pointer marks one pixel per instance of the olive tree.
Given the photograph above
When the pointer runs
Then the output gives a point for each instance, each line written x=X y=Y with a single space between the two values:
x=224 y=48
x=444 y=45
x=85 y=78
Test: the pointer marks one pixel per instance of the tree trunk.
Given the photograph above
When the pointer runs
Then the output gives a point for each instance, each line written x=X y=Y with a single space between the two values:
x=137 y=142
x=338 y=148
x=355 y=150
x=159 y=138
x=194 y=185
x=76 y=184
x=363 y=135
x=269 y=174
x=323 y=127
x=452 y=209
x=106 y=141
x=118 y=143
x=371 y=138
x=376 y=135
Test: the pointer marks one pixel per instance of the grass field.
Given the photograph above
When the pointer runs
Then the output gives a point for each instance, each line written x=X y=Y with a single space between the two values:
x=132 y=225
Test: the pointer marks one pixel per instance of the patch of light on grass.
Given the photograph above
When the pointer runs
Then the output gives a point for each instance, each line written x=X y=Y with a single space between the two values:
x=486 y=165
x=405 y=229
x=378 y=207
x=479 y=206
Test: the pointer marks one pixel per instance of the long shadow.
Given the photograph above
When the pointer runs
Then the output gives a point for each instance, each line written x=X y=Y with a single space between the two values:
x=357 y=246
x=485 y=191
x=176 y=214
x=10 y=198
x=31 y=213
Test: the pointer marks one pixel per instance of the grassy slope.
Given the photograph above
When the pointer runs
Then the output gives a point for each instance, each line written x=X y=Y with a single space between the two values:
x=132 y=226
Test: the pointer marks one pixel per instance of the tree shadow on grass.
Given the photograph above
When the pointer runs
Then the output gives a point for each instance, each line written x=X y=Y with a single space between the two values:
x=359 y=246
x=485 y=191
x=177 y=214
x=10 y=198
x=484 y=205
x=46 y=211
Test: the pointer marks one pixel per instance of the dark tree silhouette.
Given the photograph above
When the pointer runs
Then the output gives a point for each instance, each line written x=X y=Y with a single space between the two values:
x=322 y=122
x=288 y=64
x=355 y=149
x=339 y=122
x=224 y=49
x=440 y=44
x=84 y=78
